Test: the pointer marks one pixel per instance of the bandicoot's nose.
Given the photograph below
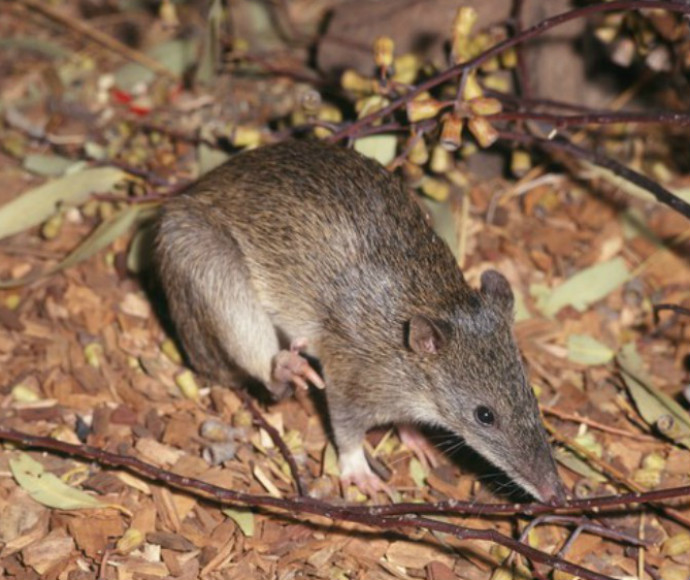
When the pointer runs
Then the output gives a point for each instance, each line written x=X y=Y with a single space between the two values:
x=551 y=492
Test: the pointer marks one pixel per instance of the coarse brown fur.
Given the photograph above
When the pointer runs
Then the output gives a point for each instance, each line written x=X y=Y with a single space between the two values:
x=309 y=240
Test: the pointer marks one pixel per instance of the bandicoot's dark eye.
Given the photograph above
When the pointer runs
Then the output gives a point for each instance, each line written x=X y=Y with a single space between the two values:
x=484 y=415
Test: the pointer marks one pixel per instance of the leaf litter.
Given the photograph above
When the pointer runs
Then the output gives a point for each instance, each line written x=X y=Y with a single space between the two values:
x=97 y=366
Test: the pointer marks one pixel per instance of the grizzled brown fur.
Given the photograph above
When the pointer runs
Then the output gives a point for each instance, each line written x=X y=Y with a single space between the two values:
x=308 y=240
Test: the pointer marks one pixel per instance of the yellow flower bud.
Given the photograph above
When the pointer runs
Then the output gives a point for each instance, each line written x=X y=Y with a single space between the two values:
x=353 y=81
x=418 y=110
x=483 y=131
x=435 y=188
x=419 y=154
x=451 y=132
x=405 y=69
x=383 y=51
x=520 y=162
x=441 y=160
x=485 y=106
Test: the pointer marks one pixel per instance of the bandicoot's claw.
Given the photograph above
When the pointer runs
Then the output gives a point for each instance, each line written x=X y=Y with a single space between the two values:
x=355 y=470
x=291 y=367
x=419 y=445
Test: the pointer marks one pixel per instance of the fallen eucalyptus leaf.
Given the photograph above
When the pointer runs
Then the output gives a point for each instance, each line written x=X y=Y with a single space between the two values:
x=48 y=165
x=102 y=236
x=444 y=223
x=175 y=55
x=382 y=148
x=584 y=288
x=578 y=465
x=243 y=518
x=330 y=461
x=592 y=171
x=656 y=408
x=48 y=489
x=417 y=472
x=36 y=205
x=587 y=350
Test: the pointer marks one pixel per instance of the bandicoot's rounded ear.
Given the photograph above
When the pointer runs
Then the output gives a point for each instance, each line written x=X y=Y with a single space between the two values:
x=425 y=335
x=497 y=289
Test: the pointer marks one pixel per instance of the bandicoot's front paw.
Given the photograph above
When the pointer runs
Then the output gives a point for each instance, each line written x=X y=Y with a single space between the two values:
x=289 y=366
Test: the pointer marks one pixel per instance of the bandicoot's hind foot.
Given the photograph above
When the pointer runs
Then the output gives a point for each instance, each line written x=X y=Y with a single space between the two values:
x=355 y=470
x=289 y=366
x=416 y=442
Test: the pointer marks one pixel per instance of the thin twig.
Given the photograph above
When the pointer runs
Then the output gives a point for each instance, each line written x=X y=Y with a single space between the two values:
x=596 y=425
x=661 y=194
x=261 y=421
x=101 y=38
x=534 y=31
x=300 y=505
x=600 y=118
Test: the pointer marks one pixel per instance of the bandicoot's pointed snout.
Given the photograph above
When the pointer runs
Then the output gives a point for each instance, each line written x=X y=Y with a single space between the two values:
x=552 y=492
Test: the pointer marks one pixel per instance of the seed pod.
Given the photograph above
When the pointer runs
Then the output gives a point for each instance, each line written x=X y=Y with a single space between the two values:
x=413 y=173
x=647 y=478
x=405 y=69
x=499 y=552
x=485 y=106
x=12 y=301
x=419 y=154
x=654 y=461
x=509 y=58
x=353 y=81
x=441 y=160
x=23 y=394
x=418 y=110
x=244 y=136
x=435 y=188
x=464 y=21
x=670 y=571
x=130 y=541
x=310 y=102
x=93 y=353
x=451 y=132
x=502 y=573
x=520 y=162
x=52 y=226
x=497 y=82
x=370 y=104
x=472 y=89
x=187 y=384
x=169 y=349
x=483 y=131
x=383 y=52
x=676 y=545
x=330 y=114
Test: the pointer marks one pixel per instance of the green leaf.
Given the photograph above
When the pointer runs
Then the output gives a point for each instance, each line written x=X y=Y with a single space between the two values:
x=444 y=223
x=175 y=55
x=382 y=148
x=47 y=489
x=212 y=46
x=652 y=404
x=578 y=465
x=48 y=165
x=101 y=237
x=243 y=518
x=38 y=204
x=584 y=288
x=330 y=461
x=417 y=472
x=587 y=350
